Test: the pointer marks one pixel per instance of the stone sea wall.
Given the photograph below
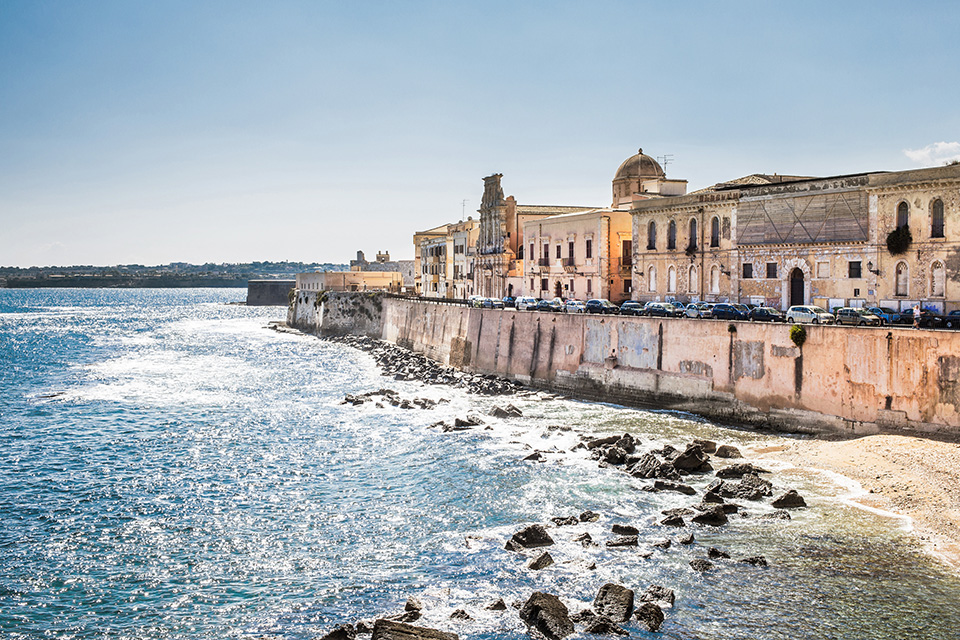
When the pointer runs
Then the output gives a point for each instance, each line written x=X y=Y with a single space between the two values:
x=843 y=379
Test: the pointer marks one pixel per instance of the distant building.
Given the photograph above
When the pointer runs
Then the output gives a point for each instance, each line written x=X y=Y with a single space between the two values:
x=391 y=281
x=384 y=263
x=261 y=293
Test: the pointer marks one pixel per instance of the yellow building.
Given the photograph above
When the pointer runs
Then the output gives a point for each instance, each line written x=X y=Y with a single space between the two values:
x=391 y=281
x=426 y=260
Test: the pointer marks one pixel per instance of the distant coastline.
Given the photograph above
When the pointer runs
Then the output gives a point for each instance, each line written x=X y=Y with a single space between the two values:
x=123 y=282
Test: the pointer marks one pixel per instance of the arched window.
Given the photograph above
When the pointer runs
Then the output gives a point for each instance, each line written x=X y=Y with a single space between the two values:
x=672 y=236
x=936 y=280
x=652 y=236
x=692 y=280
x=671 y=279
x=694 y=241
x=652 y=278
x=903 y=279
x=903 y=215
x=715 y=232
x=936 y=219
x=715 y=280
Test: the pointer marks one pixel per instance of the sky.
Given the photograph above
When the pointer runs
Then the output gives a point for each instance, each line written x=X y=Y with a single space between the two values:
x=206 y=131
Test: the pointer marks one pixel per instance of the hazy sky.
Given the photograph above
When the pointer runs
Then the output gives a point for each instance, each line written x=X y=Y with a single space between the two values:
x=151 y=132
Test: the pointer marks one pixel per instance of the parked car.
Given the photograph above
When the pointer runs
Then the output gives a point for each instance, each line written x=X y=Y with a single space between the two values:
x=857 y=317
x=930 y=320
x=574 y=306
x=699 y=310
x=601 y=305
x=661 y=310
x=952 y=319
x=475 y=301
x=509 y=302
x=766 y=314
x=809 y=313
x=886 y=314
x=631 y=308
x=526 y=303
x=728 y=311
x=492 y=303
x=555 y=305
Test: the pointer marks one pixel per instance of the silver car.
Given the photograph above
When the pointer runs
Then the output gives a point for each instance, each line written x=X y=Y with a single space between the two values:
x=699 y=310
x=809 y=313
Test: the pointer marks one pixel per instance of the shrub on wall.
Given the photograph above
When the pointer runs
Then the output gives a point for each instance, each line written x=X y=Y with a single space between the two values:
x=798 y=335
x=898 y=240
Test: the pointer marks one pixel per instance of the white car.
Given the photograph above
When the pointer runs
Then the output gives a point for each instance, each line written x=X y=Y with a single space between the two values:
x=525 y=303
x=809 y=313
x=574 y=306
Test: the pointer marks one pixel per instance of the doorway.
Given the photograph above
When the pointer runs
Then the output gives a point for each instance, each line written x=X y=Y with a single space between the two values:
x=796 y=287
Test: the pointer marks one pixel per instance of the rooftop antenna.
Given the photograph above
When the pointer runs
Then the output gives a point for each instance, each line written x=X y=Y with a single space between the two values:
x=664 y=160
x=463 y=209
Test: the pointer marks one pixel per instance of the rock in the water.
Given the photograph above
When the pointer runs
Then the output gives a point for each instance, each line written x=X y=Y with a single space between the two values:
x=584 y=538
x=389 y=630
x=656 y=593
x=469 y=421
x=533 y=536
x=589 y=516
x=757 y=561
x=542 y=561
x=713 y=552
x=413 y=604
x=686 y=539
x=739 y=470
x=615 y=602
x=673 y=521
x=692 y=459
x=649 y=466
x=714 y=516
x=627 y=442
x=549 y=616
x=708 y=446
x=561 y=521
x=341 y=632
x=727 y=451
x=667 y=485
x=790 y=500
x=779 y=514
x=460 y=614
x=615 y=456
x=508 y=411
x=660 y=543
x=499 y=605
x=536 y=456
x=583 y=616
x=602 y=442
x=650 y=616
x=604 y=625
x=623 y=541
x=625 y=530
x=699 y=564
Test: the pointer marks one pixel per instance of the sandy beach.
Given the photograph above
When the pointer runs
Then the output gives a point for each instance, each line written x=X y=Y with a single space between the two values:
x=914 y=477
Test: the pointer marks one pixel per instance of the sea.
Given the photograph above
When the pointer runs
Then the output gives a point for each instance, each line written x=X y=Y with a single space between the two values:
x=170 y=467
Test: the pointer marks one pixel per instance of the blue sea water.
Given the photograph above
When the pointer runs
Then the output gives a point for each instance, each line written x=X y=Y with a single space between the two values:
x=170 y=468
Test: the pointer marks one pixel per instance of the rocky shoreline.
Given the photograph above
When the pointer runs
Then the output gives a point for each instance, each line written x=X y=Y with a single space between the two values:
x=720 y=483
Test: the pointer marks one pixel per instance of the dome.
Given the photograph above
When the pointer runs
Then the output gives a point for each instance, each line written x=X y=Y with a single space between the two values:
x=639 y=166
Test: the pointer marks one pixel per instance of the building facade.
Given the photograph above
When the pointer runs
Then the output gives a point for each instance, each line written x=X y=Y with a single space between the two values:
x=391 y=281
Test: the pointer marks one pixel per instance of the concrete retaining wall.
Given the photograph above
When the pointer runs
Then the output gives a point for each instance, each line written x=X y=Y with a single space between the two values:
x=845 y=379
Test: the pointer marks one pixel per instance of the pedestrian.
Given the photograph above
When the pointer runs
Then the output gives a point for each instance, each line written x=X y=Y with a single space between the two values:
x=916 y=316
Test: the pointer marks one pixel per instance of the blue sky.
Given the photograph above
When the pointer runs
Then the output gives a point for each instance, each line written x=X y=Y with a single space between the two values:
x=151 y=132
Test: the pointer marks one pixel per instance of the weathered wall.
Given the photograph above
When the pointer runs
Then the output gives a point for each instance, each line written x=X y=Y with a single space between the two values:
x=337 y=313
x=269 y=292
x=845 y=379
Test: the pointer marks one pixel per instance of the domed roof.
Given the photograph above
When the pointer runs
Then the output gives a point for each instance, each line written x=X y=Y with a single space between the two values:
x=639 y=166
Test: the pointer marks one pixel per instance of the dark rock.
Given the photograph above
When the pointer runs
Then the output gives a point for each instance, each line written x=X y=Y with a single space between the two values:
x=660 y=543
x=712 y=496
x=460 y=614
x=757 y=561
x=469 y=421
x=583 y=616
x=384 y=629
x=699 y=564
x=542 y=561
x=625 y=530
x=789 y=500
x=727 y=451
x=508 y=411
x=649 y=466
x=713 y=552
x=584 y=538
x=589 y=516
x=615 y=602
x=623 y=541
x=536 y=456
x=692 y=459
x=601 y=442
x=739 y=470
x=413 y=604
x=656 y=593
x=779 y=514
x=561 y=522
x=604 y=625
x=673 y=521
x=667 y=485
x=364 y=627
x=533 y=536
x=499 y=605
x=549 y=616
x=406 y=616
x=341 y=632
x=680 y=511
x=627 y=442
x=714 y=516
x=708 y=446
x=686 y=539
x=615 y=456
x=650 y=616
x=448 y=428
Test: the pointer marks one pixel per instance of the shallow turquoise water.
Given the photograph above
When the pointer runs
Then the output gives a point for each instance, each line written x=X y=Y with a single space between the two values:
x=169 y=468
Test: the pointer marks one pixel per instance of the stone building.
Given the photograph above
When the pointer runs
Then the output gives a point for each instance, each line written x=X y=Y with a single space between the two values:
x=462 y=253
x=785 y=240
x=426 y=270
x=391 y=281
x=384 y=263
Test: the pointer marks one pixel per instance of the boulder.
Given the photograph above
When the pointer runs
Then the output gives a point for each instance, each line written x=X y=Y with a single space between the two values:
x=713 y=552
x=686 y=539
x=569 y=520
x=656 y=593
x=460 y=614
x=779 y=514
x=536 y=456
x=625 y=530
x=615 y=602
x=649 y=466
x=499 y=605
x=390 y=630
x=542 y=561
x=673 y=521
x=660 y=543
x=341 y=632
x=531 y=537
x=739 y=470
x=604 y=625
x=789 y=500
x=584 y=538
x=757 y=561
x=692 y=459
x=583 y=616
x=626 y=442
x=708 y=446
x=549 y=616
x=470 y=421
x=714 y=516
x=623 y=541
x=727 y=451
x=701 y=565
x=602 y=442
x=589 y=516
x=413 y=604
x=509 y=411
x=679 y=487
x=615 y=456
x=650 y=616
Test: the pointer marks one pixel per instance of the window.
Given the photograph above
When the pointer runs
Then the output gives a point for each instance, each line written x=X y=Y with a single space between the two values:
x=715 y=280
x=531 y=285
x=936 y=280
x=747 y=270
x=652 y=236
x=715 y=232
x=692 y=280
x=532 y=254
x=671 y=280
x=627 y=286
x=559 y=255
x=626 y=252
x=589 y=251
x=571 y=286
x=694 y=243
x=903 y=279
x=652 y=279
x=544 y=285
x=520 y=252
x=546 y=251
x=936 y=219
x=771 y=270
x=672 y=235
x=853 y=269
x=903 y=215
x=570 y=252
x=823 y=269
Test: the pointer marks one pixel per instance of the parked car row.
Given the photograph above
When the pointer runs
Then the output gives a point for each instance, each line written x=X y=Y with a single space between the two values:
x=797 y=314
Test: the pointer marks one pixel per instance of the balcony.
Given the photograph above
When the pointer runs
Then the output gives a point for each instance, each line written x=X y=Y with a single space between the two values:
x=626 y=263
x=544 y=262
x=569 y=265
